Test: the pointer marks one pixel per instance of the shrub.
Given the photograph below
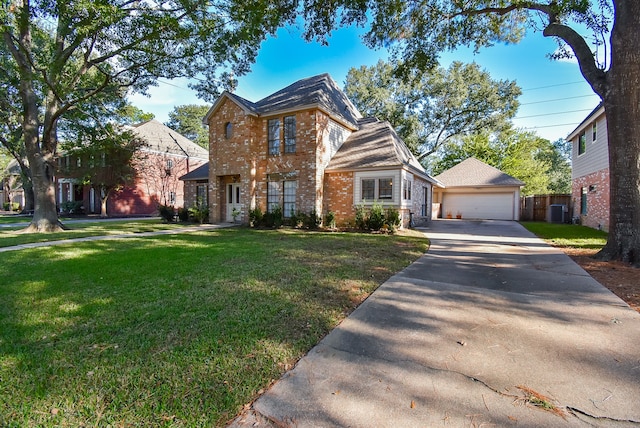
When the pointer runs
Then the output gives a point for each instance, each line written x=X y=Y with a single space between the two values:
x=167 y=212
x=376 y=218
x=255 y=217
x=312 y=221
x=199 y=213
x=73 y=207
x=392 y=218
x=330 y=220
x=273 y=218
x=296 y=219
x=11 y=206
x=183 y=214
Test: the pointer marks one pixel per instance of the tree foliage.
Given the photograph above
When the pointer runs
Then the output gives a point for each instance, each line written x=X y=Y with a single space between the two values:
x=187 y=120
x=106 y=160
x=514 y=152
x=418 y=32
x=65 y=54
x=430 y=109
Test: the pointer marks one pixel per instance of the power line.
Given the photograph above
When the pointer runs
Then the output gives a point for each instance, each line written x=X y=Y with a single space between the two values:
x=552 y=114
x=558 y=99
x=553 y=86
x=552 y=126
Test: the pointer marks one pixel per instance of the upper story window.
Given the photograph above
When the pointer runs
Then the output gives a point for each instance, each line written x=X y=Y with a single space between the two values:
x=274 y=136
x=228 y=130
x=290 y=134
x=594 y=132
x=279 y=136
x=582 y=143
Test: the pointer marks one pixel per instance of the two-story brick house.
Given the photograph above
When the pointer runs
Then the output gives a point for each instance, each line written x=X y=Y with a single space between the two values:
x=306 y=148
x=167 y=155
x=590 y=170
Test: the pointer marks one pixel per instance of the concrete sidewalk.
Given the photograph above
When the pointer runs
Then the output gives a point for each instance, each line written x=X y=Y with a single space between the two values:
x=186 y=229
x=467 y=336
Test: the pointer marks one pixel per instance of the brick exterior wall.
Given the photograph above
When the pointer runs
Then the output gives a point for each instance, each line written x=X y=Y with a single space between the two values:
x=338 y=197
x=597 y=186
x=243 y=157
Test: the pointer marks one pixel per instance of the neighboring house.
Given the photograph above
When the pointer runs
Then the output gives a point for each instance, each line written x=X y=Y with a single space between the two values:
x=307 y=148
x=167 y=155
x=475 y=190
x=11 y=191
x=196 y=184
x=590 y=170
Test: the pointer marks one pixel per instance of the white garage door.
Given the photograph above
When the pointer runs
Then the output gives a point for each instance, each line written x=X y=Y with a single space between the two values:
x=490 y=206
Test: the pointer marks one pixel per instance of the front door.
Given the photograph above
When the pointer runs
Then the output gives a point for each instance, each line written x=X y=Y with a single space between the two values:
x=233 y=201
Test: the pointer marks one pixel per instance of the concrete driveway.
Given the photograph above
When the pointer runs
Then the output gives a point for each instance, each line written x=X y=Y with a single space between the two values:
x=492 y=327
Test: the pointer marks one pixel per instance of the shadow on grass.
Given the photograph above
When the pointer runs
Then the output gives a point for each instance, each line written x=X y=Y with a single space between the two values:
x=174 y=329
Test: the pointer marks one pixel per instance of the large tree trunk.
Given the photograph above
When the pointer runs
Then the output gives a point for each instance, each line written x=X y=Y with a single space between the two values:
x=45 y=216
x=622 y=107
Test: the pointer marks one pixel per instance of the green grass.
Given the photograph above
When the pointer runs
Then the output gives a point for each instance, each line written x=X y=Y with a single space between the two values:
x=568 y=235
x=174 y=330
x=14 y=218
x=12 y=236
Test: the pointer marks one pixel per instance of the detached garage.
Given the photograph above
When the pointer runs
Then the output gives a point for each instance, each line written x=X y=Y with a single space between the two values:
x=474 y=190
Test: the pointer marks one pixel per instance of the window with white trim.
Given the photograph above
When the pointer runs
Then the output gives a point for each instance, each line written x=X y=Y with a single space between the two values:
x=373 y=189
x=582 y=143
x=385 y=188
x=406 y=189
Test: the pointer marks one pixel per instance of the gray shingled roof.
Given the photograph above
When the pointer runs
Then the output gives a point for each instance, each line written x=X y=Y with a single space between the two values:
x=200 y=173
x=161 y=138
x=473 y=172
x=320 y=90
x=375 y=145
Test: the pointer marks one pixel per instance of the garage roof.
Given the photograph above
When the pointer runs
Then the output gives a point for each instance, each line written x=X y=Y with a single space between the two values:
x=473 y=172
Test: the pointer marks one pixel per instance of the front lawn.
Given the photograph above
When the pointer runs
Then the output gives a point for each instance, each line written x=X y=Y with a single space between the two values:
x=178 y=330
x=568 y=235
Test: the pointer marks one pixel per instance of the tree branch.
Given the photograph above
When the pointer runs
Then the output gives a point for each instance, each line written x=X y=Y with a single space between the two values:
x=595 y=76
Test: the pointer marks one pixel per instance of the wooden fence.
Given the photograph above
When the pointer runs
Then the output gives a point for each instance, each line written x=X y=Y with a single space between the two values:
x=536 y=208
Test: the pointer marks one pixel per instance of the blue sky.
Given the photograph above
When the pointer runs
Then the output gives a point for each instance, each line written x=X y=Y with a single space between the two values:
x=555 y=96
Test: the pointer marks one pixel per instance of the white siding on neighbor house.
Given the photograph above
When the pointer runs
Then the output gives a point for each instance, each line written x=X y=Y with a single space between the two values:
x=596 y=154
x=396 y=187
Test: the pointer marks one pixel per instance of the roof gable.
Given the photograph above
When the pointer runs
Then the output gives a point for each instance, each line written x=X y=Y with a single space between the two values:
x=246 y=105
x=319 y=91
x=595 y=113
x=473 y=172
x=160 y=138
